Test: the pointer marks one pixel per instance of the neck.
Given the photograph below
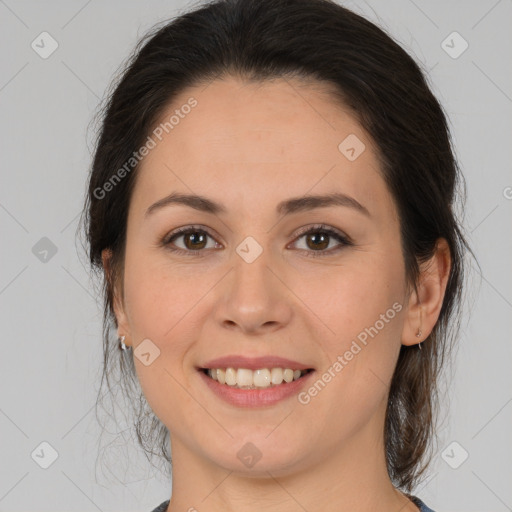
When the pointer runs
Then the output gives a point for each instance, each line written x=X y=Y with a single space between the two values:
x=352 y=478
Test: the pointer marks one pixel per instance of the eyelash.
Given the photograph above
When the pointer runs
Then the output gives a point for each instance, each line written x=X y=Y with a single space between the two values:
x=317 y=228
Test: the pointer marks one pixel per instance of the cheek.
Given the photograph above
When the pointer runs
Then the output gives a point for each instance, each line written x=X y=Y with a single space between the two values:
x=157 y=303
x=157 y=295
x=361 y=306
x=346 y=299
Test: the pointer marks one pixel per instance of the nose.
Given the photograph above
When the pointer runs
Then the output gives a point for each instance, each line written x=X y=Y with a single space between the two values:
x=254 y=297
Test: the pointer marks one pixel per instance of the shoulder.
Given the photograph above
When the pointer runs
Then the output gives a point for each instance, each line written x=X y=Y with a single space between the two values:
x=162 y=507
x=423 y=508
x=420 y=504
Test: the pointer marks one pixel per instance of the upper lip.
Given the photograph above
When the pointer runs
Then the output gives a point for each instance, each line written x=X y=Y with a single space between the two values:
x=255 y=363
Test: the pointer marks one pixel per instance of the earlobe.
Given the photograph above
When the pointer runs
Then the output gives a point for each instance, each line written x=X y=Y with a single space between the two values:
x=425 y=304
x=413 y=324
x=117 y=303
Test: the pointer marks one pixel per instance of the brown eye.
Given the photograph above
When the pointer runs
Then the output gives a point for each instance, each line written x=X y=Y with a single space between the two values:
x=317 y=240
x=194 y=241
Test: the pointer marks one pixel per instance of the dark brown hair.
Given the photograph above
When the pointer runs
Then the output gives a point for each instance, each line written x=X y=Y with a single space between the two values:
x=387 y=92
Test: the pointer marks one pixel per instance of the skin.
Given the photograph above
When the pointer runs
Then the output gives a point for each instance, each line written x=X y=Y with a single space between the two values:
x=248 y=147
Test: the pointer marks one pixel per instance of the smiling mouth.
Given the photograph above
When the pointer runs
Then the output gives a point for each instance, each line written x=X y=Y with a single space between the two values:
x=243 y=378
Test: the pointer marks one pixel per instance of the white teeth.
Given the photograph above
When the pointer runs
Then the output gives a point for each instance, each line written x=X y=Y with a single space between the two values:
x=261 y=378
x=288 y=375
x=230 y=376
x=249 y=379
x=276 y=375
x=244 y=377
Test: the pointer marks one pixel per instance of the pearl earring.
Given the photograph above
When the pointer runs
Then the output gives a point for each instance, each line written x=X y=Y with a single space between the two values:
x=122 y=346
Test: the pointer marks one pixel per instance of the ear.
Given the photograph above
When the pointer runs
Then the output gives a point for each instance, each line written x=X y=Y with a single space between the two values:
x=425 y=305
x=121 y=318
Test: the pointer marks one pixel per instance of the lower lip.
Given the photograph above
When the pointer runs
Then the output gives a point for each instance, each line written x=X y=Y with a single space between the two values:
x=255 y=397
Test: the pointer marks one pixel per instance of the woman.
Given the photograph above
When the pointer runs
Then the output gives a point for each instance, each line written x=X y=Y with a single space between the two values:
x=271 y=205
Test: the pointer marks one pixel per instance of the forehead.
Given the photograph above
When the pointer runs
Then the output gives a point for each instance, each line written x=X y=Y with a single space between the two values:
x=245 y=142
x=262 y=122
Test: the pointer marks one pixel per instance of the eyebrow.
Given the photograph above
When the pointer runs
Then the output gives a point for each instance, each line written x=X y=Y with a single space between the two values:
x=287 y=207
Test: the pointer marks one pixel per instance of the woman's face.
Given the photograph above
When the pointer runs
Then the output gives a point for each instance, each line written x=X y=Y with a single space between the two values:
x=257 y=286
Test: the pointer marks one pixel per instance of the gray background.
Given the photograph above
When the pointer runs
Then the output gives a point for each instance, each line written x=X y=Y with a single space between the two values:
x=51 y=332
